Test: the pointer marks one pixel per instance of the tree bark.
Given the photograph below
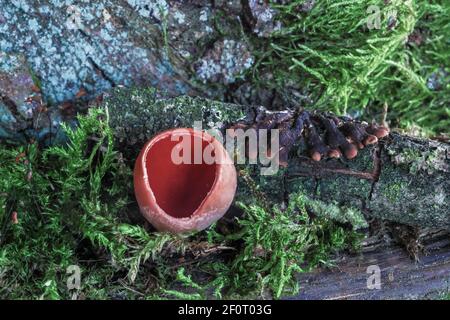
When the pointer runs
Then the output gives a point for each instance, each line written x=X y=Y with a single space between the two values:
x=410 y=186
x=401 y=179
x=399 y=276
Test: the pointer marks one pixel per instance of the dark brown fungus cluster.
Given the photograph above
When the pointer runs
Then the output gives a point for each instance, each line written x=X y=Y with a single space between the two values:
x=325 y=135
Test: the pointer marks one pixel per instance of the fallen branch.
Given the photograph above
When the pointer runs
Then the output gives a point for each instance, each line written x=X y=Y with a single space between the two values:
x=400 y=178
x=399 y=276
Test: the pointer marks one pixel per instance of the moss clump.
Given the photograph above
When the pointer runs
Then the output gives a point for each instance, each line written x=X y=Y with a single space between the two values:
x=73 y=205
x=281 y=243
x=333 y=211
x=331 y=54
x=275 y=245
x=59 y=204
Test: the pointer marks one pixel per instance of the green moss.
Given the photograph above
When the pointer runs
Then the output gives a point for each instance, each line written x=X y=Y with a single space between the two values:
x=394 y=197
x=344 y=66
x=266 y=259
x=74 y=206
x=63 y=196
x=408 y=155
x=278 y=244
x=334 y=212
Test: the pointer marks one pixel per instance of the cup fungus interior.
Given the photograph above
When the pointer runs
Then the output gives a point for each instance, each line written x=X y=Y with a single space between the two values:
x=179 y=189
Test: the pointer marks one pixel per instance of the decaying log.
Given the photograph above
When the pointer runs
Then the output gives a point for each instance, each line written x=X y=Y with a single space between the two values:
x=353 y=277
x=401 y=178
x=410 y=183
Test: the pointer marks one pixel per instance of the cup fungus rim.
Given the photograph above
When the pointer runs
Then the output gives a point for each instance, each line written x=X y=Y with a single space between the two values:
x=219 y=169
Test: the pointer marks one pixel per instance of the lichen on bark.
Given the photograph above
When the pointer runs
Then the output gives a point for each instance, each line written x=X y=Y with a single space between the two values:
x=138 y=114
x=375 y=183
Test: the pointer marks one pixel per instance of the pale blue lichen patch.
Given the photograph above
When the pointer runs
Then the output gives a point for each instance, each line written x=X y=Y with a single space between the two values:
x=150 y=8
x=180 y=17
x=203 y=15
x=9 y=63
x=225 y=62
x=87 y=46
x=265 y=17
x=431 y=158
x=21 y=4
x=23 y=115
x=73 y=45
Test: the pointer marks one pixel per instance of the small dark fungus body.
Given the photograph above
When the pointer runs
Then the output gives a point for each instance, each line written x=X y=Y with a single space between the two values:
x=325 y=135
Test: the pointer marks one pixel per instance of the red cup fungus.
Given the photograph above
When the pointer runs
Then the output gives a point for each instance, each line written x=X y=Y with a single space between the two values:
x=184 y=180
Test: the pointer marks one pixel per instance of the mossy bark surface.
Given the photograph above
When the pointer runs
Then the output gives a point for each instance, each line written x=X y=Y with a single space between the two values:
x=411 y=191
x=400 y=277
x=402 y=179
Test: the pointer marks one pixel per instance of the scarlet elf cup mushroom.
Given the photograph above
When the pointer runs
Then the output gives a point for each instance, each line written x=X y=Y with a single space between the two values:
x=184 y=180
